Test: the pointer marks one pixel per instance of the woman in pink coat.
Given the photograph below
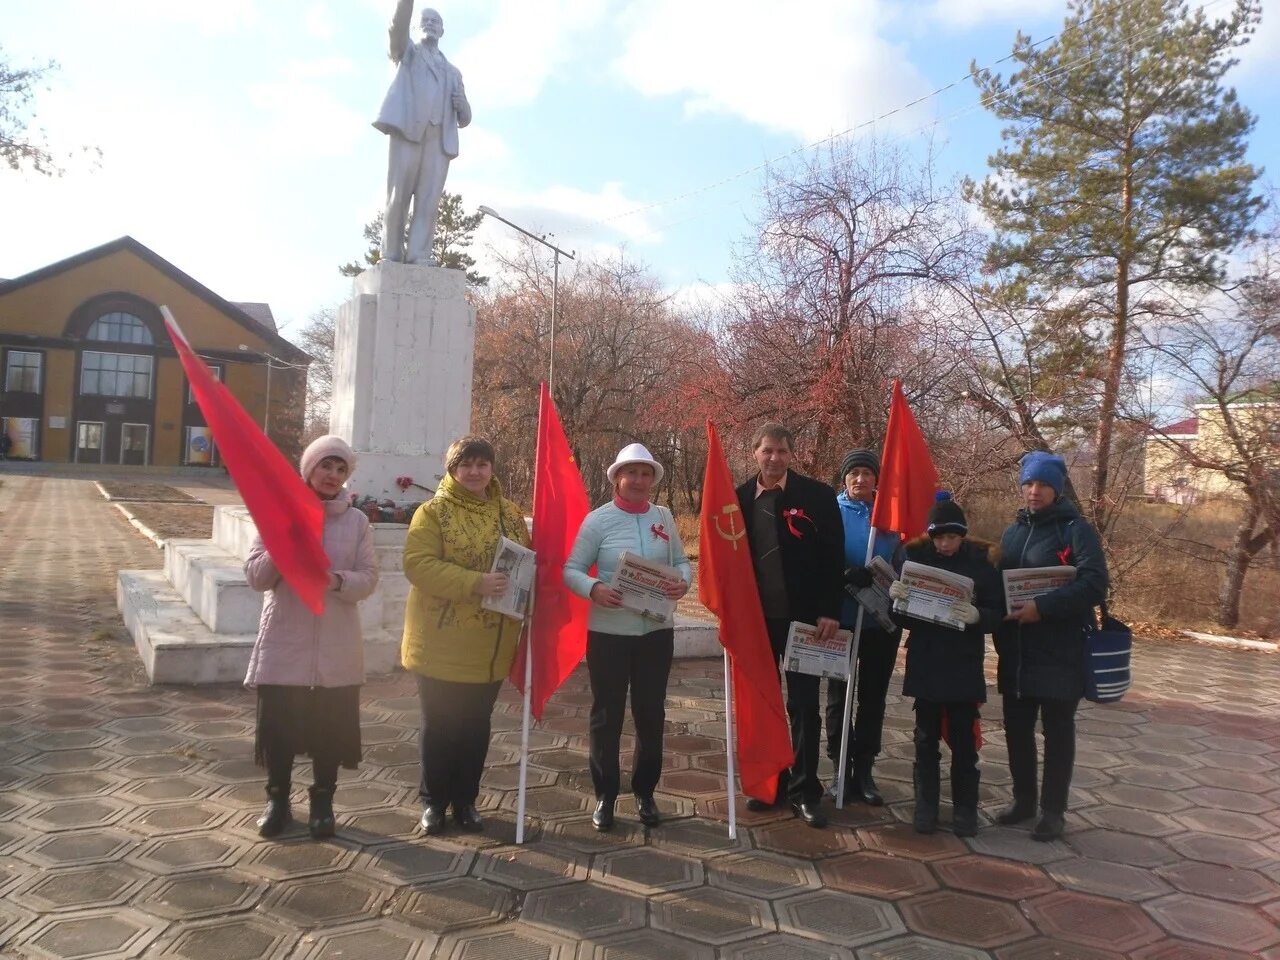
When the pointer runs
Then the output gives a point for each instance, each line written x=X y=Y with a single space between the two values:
x=308 y=669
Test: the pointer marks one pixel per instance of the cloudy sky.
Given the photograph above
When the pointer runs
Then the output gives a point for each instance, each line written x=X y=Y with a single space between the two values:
x=236 y=138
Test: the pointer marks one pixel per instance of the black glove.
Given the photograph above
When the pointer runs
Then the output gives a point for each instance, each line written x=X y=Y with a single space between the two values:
x=858 y=577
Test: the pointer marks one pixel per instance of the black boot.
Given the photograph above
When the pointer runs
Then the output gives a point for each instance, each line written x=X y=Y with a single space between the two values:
x=277 y=814
x=864 y=785
x=320 y=823
x=964 y=797
x=924 y=774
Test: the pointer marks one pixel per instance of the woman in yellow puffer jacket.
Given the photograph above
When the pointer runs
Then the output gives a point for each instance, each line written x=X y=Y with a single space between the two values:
x=459 y=651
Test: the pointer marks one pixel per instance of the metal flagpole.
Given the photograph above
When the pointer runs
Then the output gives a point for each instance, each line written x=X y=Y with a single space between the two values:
x=527 y=713
x=849 y=687
x=730 y=771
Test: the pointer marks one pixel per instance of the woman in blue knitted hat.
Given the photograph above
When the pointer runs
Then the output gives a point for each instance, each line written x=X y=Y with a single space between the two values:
x=1041 y=647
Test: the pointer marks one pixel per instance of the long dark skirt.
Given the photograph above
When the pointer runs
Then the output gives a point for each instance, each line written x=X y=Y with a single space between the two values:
x=319 y=722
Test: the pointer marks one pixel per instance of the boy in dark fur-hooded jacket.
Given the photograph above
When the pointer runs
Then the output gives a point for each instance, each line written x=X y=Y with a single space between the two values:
x=944 y=668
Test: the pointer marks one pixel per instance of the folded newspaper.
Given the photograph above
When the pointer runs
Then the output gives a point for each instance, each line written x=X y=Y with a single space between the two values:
x=1021 y=586
x=643 y=584
x=933 y=593
x=517 y=563
x=806 y=654
x=875 y=599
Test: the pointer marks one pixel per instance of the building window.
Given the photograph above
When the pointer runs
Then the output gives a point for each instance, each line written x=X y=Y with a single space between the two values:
x=120 y=328
x=115 y=375
x=22 y=372
x=215 y=369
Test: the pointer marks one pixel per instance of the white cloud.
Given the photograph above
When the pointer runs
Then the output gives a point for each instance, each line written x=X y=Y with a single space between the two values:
x=972 y=13
x=321 y=68
x=304 y=119
x=771 y=64
x=319 y=23
x=509 y=61
x=208 y=17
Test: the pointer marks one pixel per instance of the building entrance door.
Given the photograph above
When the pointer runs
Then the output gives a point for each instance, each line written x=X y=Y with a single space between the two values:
x=133 y=443
x=89 y=435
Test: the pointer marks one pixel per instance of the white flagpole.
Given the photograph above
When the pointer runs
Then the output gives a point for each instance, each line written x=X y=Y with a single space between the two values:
x=849 y=687
x=527 y=714
x=730 y=770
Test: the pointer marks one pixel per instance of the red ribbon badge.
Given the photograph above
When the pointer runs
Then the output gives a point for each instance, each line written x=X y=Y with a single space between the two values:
x=1064 y=556
x=794 y=514
x=659 y=532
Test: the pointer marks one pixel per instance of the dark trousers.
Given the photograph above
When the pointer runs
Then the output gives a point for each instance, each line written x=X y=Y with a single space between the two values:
x=800 y=785
x=1058 y=718
x=279 y=764
x=455 y=739
x=616 y=662
x=877 y=655
x=961 y=718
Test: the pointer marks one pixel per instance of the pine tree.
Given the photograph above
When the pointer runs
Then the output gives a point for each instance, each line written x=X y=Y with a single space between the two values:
x=454 y=230
x=1122 y=179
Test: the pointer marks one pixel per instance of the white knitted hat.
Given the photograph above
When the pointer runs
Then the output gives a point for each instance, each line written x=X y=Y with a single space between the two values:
x=326 y=446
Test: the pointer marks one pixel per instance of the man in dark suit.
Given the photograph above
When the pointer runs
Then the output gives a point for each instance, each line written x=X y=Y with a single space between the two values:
x=797 y=550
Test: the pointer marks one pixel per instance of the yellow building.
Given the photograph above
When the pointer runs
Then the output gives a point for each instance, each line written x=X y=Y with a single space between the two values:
x=1172 y=473
x=90 y=376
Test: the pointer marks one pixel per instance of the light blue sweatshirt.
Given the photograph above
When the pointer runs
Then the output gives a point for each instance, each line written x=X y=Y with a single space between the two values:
x=608 y=532
x=857 y=528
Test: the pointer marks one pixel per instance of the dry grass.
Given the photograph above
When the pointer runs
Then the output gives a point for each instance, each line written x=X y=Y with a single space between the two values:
x=144 y=490
x=175 y=519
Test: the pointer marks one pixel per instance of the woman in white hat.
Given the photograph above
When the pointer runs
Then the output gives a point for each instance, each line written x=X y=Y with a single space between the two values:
x=627 y=649
x=308 y=669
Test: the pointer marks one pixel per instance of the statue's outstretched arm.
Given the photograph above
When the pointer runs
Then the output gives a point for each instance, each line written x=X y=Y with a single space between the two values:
x=400 y=29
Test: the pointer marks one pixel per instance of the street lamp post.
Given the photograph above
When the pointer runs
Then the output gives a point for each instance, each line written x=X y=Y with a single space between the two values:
x=270 y=361
x=555 y=282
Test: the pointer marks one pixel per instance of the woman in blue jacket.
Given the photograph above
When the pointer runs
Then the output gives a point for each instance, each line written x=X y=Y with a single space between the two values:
x=1041 y=648
x=626 y=649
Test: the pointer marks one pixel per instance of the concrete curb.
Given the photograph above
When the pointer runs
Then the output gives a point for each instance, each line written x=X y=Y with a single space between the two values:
x=142 y=527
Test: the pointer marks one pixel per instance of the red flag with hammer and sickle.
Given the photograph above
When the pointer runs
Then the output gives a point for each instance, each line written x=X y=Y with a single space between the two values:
x=727 y=587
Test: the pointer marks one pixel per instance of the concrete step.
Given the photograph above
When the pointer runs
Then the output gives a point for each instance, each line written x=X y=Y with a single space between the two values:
x=212 y=581
x=177 y=647
x=234 y=530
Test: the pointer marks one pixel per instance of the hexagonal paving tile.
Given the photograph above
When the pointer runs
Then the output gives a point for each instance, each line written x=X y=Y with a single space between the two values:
x=793 y=837
x=1004 y=879
x=325 y=901
x=877 y=875
x=704 y=838
x=1221 y=883
x=1047 y=948
x=760 y=874
x=645 y=944
x=116 y=932
x=74 y=814
x=1226 y=823
x=102 y=885
x=531 y=868
x=78 y=847
x=386 y=825
x=1116 y=880
x=781 y=946
x=381 y=939
x=177 y=818
x=1214 y=922
x=418 y=862
x=551 y=803
x=195 y=895
x=298 y=858
x=838 y=918
x=454 y=904
x=648 y=871
x=1120 y=848
x=88 y=783
x=711 y=916
x=915 y=947
x=1228 y=851
x=582 y=836
x=900 y=840
x=1093 y=921
x=228 y=938
x=69 y=761
x=185 y=853
x=167 y=789
x=961 y=918
x=584 y=911
x=504 y=942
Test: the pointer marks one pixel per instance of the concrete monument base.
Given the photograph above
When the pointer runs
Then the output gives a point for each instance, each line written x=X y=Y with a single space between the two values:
x=402 y=361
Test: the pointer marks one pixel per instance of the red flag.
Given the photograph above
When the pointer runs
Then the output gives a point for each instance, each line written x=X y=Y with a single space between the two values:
x=558 y=628
x=727 y=587
x=908 y=480
x=288 y=514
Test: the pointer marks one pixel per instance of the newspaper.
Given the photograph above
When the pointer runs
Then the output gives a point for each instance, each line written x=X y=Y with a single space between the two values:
x=643 y=583
x=1031 y=582
x=875 y=599
x=804 y=654
x=517 y=563
x=932 y=594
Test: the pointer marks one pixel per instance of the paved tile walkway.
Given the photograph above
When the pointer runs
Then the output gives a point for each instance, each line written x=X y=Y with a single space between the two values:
x=126 y=817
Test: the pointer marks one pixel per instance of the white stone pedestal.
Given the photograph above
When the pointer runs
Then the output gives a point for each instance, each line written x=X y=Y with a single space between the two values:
x=402 y=362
